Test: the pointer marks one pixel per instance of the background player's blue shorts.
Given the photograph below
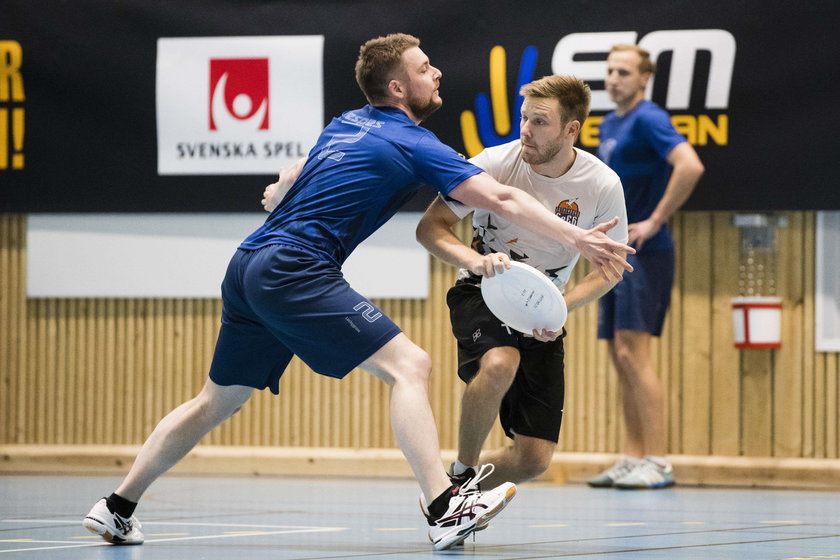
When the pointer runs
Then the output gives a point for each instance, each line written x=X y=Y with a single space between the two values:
x=281 y=300
x=640 y=301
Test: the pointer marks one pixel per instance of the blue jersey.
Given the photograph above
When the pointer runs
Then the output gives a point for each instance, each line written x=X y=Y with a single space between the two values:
x=364 y=167
x=636 y=146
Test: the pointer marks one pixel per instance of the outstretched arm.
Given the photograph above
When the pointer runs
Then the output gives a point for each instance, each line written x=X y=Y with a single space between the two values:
x=274 y=193
x=515 y=205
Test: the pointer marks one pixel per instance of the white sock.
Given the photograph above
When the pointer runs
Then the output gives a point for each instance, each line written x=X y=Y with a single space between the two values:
x=458 y=468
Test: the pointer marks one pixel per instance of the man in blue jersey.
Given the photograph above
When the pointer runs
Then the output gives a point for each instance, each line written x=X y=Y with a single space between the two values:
x=284 y=293
x=658 y=171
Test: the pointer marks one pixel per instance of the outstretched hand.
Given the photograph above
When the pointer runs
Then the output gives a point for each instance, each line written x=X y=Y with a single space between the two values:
x=274 y=193
x=607 y=255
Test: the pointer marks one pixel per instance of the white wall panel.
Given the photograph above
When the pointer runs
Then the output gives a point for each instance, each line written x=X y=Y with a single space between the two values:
x=185 y=255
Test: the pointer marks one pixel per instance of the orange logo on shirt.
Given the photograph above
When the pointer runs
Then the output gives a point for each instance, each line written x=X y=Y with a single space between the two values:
x=569 y=211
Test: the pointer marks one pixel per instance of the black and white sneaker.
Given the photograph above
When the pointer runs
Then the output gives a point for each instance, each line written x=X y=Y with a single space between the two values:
x=112 y=527
x=469 y=510
x=463 y=478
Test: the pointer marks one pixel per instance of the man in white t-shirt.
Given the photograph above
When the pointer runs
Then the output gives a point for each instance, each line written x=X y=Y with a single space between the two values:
x=520 y=375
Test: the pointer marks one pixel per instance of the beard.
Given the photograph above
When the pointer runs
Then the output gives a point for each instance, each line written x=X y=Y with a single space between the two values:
x=423 y=108
x=544 y=154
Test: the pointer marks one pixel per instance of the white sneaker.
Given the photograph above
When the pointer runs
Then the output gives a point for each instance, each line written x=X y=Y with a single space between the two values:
x=607 y=478
x=469 y=510
x=112 y=527
x=648 y=474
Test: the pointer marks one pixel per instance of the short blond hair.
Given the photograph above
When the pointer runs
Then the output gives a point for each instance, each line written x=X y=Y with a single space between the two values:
x=380 y=60
x=572 y=94
x=646 y=65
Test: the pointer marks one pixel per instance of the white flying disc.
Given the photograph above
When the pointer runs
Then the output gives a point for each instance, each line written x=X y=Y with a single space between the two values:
x=525 y=299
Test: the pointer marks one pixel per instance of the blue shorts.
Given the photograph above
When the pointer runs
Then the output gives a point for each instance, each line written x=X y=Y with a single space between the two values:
x=280 y=301
x=640 y=301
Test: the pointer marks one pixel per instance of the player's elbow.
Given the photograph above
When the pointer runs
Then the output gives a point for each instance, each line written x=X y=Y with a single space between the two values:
x=686 y=162
x=691 y=167
x=697 y=169
x=688 y=174
x=421 y=232
x=428 y=230
x=503 y=203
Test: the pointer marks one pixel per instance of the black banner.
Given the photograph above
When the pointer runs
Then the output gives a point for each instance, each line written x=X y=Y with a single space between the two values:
x=139 y=106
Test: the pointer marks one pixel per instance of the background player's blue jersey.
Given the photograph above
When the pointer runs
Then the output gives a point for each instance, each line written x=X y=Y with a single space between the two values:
x=636 y=146
x=364 y=167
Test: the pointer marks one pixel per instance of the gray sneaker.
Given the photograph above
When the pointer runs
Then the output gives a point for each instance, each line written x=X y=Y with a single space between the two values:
x=648 y=474
x=608 y=478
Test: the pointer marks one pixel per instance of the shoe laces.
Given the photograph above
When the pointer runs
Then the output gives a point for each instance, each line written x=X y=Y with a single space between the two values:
x=126 y=524
x=622 y=468
x=471 y=485
x=648 y=472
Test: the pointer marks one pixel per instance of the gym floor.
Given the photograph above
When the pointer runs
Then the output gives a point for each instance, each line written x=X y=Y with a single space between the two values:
x=329 y=518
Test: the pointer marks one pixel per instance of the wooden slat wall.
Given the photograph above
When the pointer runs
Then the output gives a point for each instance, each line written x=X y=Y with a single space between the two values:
x=105 y=371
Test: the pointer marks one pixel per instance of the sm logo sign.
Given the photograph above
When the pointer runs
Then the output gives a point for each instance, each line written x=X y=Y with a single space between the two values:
x=683 y=44
x=584 y=55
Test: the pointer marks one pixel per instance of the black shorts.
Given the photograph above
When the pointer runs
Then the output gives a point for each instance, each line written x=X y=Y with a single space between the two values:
x=533 y=406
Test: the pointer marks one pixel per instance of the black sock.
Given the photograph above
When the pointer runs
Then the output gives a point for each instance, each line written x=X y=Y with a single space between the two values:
x=120 y=506
x=439 y=505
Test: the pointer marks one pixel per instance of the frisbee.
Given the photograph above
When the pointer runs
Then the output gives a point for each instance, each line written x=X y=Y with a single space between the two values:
x=525 y=299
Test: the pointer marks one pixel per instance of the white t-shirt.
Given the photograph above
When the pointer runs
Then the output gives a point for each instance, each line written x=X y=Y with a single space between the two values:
x=586 y=195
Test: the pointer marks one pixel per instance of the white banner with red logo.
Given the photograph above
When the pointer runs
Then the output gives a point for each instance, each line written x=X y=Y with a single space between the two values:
x=237 y=105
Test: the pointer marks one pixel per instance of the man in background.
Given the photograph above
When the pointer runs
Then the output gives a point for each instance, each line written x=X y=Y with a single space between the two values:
x=658 y=169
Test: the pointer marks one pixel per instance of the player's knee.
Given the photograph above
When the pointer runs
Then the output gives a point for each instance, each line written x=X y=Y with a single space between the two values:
x=210 y=412
x=532 y=463
x=623 y=355
x=215 y=409
x=422 y=366
x=415 y=366
x=499 y=369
